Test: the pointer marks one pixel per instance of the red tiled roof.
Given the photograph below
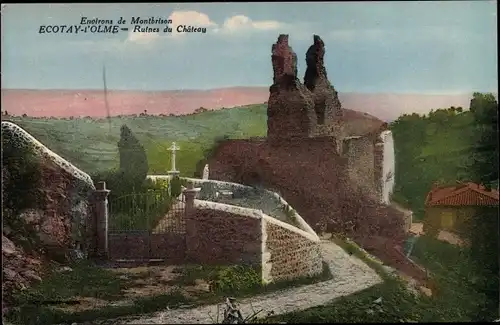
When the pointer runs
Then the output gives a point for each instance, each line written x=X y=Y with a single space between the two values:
x=465 y=194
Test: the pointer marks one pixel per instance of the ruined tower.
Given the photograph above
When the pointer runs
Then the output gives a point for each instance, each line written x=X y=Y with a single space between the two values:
x=290 y=111
x=302 y=110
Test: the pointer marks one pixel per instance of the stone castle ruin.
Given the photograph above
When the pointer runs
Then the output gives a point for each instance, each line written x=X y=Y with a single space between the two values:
x=313 y=110
x=333 y=164
x=296 y=109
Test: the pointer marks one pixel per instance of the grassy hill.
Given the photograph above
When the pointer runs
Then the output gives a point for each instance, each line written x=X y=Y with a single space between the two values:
x=90 y=145
x=429 y=148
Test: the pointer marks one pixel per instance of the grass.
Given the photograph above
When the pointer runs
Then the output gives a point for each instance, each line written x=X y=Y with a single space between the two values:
x=141 y=211
x=85 y=288
x=456 y=299
x=91 y=293
x=89 y=144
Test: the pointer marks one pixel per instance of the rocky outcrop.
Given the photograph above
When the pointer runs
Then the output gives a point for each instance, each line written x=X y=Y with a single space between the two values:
x=290 y=111
x=326 y=101
x=55 y=225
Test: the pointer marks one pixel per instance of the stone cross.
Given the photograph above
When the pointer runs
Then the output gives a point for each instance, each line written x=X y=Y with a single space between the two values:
x=205 y=172
x=173 y=148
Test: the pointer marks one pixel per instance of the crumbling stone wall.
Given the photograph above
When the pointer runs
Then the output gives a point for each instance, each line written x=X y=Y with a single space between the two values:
x=288 y=254
x=359 y=152
x=56 y=228
x=303 y=160
x=302 y=110
x=290 y=106
x=312 y=178
x=219 y=237
x=327 y=105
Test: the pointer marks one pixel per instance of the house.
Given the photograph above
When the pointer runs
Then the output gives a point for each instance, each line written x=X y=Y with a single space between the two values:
x=448 y=207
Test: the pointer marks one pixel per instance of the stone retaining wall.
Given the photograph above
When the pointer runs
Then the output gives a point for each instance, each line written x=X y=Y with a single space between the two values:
x=221 y=237
x=289 y=253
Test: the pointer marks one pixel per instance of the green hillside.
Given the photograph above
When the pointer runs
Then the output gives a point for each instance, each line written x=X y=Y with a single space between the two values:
x=429 y=148
x=89 y=144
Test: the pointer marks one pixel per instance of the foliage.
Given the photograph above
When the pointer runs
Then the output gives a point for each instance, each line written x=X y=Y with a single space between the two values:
x=443 y=147
x=133 y=159
x=36 y=305
x=160 y=158
x=139 y=211
x=424 y=144
x=23 y=176
x=89 y=145
x=157 y=185
x=237 y=278
x=460 y=281
x=175 y=186
x=208 y=153
x=484 y=162
x=454 y=300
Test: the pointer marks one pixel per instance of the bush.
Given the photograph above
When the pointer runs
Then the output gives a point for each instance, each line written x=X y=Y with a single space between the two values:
x=208 y=153
x=133 y=159
x=175 y=186
x=237 y=278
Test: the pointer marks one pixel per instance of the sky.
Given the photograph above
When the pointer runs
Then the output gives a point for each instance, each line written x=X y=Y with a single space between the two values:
x=437 y=47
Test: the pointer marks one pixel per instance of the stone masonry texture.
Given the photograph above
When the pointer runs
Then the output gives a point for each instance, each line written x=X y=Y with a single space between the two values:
x=292 y=255
x=218 y=237
x=55 y=228
x=304 y=162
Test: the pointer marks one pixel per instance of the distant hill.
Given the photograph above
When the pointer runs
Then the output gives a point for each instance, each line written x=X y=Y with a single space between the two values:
x=90 y=145
x=66 y=103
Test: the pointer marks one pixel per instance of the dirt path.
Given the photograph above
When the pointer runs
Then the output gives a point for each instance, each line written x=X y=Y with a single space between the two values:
x=350 y=275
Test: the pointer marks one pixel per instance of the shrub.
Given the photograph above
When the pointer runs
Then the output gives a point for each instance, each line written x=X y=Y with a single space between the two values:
x=208 y=154
x=133 y=159
x=175 y=186
x=237 y=278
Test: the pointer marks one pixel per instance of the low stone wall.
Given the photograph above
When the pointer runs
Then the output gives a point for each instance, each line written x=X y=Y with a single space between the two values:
x=214 y=236
x=288 y=252
x=236 y=188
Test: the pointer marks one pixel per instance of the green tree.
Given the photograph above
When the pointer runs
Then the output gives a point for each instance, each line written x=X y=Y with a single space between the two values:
x=484 y=160
x=133 y=159
x=484 y=227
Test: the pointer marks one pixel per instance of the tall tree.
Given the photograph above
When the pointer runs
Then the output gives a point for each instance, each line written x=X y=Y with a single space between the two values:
x=484 y=108
x=133 y=159
x=484 y=227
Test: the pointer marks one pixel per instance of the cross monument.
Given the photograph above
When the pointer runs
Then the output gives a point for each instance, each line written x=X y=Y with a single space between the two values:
x=173 y=148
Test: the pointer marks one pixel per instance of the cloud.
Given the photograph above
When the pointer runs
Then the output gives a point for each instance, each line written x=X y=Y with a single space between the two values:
x=189 y=18
x=142 y=38
x=138 y=41
x=241 y=23
x=231 y=25
x=193 y=18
